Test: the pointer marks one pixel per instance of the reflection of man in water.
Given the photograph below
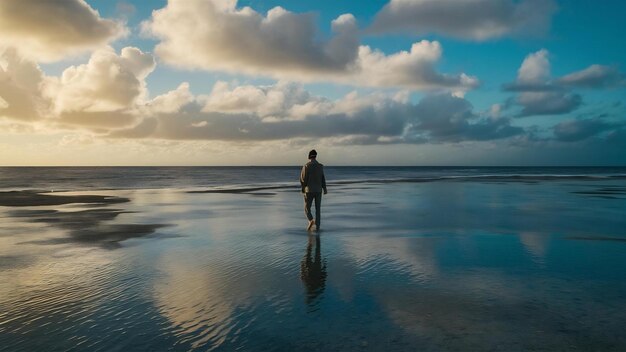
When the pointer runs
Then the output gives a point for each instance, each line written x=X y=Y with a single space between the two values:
x=313 y=182
x=313 y=270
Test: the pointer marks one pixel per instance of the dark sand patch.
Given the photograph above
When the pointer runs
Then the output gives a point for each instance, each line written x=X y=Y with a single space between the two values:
x=606 y=192
x=35 y=198
x=242 y=190
x=361 y=203
x=69 y=220
x=107 y=236
x=353 y=189
x=87 y=226
x=597 y=195
x=13 y=261
x=591 y=238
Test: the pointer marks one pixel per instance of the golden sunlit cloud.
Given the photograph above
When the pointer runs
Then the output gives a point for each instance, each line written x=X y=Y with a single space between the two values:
x=45 y=30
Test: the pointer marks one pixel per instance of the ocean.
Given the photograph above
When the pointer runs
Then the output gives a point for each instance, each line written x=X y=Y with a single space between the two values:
x=100 y=178
x=218 y=258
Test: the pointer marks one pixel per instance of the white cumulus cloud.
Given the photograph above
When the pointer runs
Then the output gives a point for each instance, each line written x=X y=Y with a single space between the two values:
x=535 y=68
x=107 y=82
x=411 y=69
x=108 y=91
x=217 y=35
x=172 y=101
x=274 y=101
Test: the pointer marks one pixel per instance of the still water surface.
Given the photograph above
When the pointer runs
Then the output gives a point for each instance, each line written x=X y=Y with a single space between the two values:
x=446 y=265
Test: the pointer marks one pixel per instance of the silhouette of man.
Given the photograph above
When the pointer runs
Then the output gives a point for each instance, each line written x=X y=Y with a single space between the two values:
x=313 y=182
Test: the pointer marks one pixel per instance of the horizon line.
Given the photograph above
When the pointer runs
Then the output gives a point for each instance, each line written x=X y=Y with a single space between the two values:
x=299 y=165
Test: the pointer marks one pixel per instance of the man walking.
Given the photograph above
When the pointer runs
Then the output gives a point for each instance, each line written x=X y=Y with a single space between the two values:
x=313 y=182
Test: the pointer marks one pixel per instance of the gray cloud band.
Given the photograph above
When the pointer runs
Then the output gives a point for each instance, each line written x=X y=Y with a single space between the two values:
x=471 y=20
x=436 y=118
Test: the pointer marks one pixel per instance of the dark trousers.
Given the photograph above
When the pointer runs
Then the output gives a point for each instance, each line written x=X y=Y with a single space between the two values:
x=308 y=200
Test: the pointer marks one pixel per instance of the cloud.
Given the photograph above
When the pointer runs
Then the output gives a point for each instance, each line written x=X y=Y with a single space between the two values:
x=286 y=111
x=172 y=101
x=76 y=140
x=144 y=129
x=444 y=117
x=547 y=103
x=581 y=129
x=535 y=68
x=104 y=91
x=45 y=30
x=216 y=35
x=107 y=82
x=283 y=100
x=534 y=76
x=413 y=69
x=473 y=20
x=194 y=121
x=228 y=38
x=107 y=92
x=20 y=96
x=97 y=121
x=539 y=95
x=595 y=76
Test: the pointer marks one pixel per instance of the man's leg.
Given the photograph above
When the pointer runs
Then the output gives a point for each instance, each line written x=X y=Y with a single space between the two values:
x=308 y=199
x=318 y=210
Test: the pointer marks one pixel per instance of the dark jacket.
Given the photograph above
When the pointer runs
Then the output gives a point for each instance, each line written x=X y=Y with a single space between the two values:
x=312 y=177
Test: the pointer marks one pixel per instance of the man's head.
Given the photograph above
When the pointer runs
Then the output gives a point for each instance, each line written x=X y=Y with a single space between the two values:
x=312 y=154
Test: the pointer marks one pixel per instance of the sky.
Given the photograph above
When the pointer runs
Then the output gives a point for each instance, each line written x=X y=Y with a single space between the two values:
x=256 y=82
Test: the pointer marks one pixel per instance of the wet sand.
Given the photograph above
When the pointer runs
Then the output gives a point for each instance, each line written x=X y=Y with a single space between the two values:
x=431 y=266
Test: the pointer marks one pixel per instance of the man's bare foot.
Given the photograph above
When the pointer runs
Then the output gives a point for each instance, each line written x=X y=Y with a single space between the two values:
x=311 y=224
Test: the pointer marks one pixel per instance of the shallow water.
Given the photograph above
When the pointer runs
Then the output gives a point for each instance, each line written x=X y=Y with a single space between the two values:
x=397 y=266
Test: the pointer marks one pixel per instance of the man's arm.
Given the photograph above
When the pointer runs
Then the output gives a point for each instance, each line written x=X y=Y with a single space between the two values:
x=304 y=178
x=324 y=181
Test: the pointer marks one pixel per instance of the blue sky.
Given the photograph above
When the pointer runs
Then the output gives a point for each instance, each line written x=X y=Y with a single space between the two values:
x=502 y=82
